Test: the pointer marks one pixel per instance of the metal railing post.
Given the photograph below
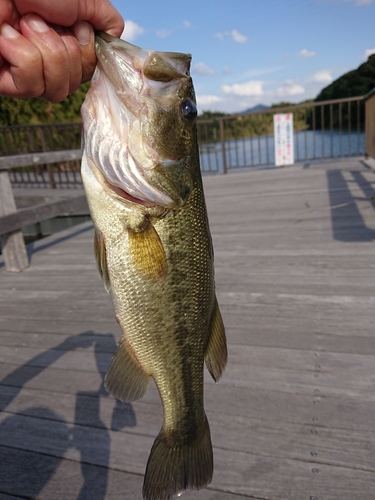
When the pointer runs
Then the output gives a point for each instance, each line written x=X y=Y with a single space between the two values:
x=222 y=140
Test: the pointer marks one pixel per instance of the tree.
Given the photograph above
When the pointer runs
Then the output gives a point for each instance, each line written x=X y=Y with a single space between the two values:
x=354 y=83
x=33 y=111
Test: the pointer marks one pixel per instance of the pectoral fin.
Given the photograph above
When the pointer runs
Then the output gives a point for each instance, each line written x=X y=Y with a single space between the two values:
x=147 y=252
x=216 y=354
x=125 y=379
x=101 y=259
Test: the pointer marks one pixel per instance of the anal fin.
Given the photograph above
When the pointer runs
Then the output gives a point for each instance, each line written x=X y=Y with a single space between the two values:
x=216 y=353
x=125 y=379
x=101 y=259
x=147 y=252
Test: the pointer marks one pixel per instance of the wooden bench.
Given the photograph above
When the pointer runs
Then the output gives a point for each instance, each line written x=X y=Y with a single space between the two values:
x=12 y=220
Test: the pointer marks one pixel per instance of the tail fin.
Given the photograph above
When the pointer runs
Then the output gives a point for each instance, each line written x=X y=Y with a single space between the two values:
x=176 y=466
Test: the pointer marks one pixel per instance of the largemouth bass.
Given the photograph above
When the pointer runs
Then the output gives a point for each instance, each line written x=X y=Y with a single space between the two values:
x=142 y=178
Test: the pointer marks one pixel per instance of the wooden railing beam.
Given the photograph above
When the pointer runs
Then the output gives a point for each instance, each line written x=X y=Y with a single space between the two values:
x=25 y=160
x=44 y=211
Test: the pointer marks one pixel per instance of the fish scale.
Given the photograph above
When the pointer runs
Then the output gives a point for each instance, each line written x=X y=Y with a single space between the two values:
x=154 y=252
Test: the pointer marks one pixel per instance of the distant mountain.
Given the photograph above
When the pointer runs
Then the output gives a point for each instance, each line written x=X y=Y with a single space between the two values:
x=256 y=109
x=354 y=83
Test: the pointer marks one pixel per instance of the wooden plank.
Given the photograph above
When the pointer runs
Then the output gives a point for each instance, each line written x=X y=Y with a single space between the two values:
x=249 y=472
x=22 y=387
x=275 y=368
x=24 y=160
x=60 y=479
x=254 y=475
x=279 y=438
x=41 y=212
x=45 y=476
x=11 y=242
x=49 y=334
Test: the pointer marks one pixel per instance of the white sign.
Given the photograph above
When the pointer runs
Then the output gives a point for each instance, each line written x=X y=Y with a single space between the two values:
x=283 y=135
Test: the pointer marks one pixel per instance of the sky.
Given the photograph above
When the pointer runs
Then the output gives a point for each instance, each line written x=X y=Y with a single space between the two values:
x=248 y=52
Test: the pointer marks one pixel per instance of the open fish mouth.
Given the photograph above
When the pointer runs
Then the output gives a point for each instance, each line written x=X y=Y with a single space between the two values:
x=133 y=94
x=127 y=196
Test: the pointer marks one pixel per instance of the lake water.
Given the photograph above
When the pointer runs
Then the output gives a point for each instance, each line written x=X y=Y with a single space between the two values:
x=259 y=151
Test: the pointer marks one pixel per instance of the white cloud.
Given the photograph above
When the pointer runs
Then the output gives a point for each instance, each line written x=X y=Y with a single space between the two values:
x=163 y=33
x=358 y=3
x=289 y=88
x=306 y=53
x=234 y=34
x=238 y=37
x=369 y=52
x=323 y=77
x=250 y=88
x=205 y=101
x=202 y=69
x=131 y=31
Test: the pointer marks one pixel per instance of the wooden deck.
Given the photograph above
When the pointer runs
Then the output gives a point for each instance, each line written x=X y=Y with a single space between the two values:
x=294 y=415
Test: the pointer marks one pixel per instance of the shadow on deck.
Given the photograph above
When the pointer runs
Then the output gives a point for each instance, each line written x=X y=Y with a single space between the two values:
x=347 y=221
x=38 y=470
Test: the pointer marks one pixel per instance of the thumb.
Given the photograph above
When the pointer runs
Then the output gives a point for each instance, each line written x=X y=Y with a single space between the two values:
x=85 y=36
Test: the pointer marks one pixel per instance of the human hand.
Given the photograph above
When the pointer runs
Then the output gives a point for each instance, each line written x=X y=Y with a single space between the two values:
x=47 y=47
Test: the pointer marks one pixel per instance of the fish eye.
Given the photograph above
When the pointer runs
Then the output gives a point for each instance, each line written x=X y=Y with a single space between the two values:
x=189 y=109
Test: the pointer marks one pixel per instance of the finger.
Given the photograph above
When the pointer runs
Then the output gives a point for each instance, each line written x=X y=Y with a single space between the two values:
x=101 y=14
x=63 y=12
x=9 y=14
x=85 y=36
x=74 y=53
x=54 y=53
x=21 y=73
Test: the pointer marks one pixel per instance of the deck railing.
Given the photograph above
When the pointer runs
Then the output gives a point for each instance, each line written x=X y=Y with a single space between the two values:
x=42 y=138
x=322 y=130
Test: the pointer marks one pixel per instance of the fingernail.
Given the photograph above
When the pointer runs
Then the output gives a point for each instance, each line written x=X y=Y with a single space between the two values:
x=37 y=24
x=82 y=31
x=8 y=32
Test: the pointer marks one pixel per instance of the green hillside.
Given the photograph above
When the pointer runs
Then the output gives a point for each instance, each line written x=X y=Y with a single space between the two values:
x=354 y=83
x=31 y=111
